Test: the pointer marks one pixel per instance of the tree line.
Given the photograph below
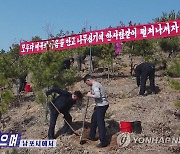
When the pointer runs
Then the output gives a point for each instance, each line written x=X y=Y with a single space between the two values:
x=45 y=67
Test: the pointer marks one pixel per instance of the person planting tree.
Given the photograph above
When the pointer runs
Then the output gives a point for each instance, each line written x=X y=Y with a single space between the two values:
x=97 y=119
x=63 y=103
x=142 y=72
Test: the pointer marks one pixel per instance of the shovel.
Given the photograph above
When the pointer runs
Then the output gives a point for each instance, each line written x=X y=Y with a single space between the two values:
x=131 y=91
x=82 y=131
x=65 y=120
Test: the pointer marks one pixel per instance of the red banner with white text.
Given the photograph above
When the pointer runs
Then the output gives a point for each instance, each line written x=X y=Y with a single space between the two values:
x=105 y=36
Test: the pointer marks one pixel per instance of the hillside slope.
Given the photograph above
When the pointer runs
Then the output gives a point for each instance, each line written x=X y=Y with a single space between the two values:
x=156 y=113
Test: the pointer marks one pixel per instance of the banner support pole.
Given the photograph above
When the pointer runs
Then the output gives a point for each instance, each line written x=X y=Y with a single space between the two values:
x=90 y=55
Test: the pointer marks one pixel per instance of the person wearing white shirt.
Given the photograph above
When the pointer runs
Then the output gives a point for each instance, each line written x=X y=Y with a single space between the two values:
x=97 y=119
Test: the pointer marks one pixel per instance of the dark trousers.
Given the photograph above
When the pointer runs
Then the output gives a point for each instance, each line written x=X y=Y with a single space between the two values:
x=79 y=63
x=53 y=117
x=97 y=121
x=66 y=128
x=144 y=77
x=22 y=83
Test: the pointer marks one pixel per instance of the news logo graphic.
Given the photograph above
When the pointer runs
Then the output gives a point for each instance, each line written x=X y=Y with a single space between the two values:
x=123 y=139
x=10 y=139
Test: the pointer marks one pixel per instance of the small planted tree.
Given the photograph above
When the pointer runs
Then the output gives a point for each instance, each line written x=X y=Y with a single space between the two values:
x=6 y=94
x=107 y=55
x=144 y=48
x=170 y=46
x=46 y=73
x=173 y=70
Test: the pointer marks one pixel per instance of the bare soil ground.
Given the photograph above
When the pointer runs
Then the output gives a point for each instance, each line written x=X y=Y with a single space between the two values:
x=156 y=113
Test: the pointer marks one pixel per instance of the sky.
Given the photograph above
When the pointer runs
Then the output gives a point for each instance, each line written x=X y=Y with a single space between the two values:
x=24 y=19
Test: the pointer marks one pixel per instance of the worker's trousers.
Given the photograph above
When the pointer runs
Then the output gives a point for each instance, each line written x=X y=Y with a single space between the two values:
x=97 y=121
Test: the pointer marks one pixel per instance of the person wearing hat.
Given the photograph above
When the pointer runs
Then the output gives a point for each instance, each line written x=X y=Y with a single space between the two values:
x=63 y=102
x=144 y=71
x=97 y=119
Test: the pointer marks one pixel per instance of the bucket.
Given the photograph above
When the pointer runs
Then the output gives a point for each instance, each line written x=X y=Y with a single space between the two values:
x=27 y=88
x=125 y=126
x=136 y=127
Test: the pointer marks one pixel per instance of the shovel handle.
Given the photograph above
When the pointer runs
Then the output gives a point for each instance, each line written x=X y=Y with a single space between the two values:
x=65 y=120
x=84 y=120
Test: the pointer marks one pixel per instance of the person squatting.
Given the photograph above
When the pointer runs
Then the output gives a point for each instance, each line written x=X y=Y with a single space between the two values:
x=67 y=63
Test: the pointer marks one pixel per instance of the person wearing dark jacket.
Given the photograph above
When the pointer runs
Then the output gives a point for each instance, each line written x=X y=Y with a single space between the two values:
x=142 y=72
x=22 y=83
x=67 y=63
x=63 y=102
x=80 y=61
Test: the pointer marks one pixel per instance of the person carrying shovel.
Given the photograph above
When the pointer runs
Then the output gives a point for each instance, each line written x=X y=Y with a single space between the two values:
x=61 y=104
x=97 y=119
